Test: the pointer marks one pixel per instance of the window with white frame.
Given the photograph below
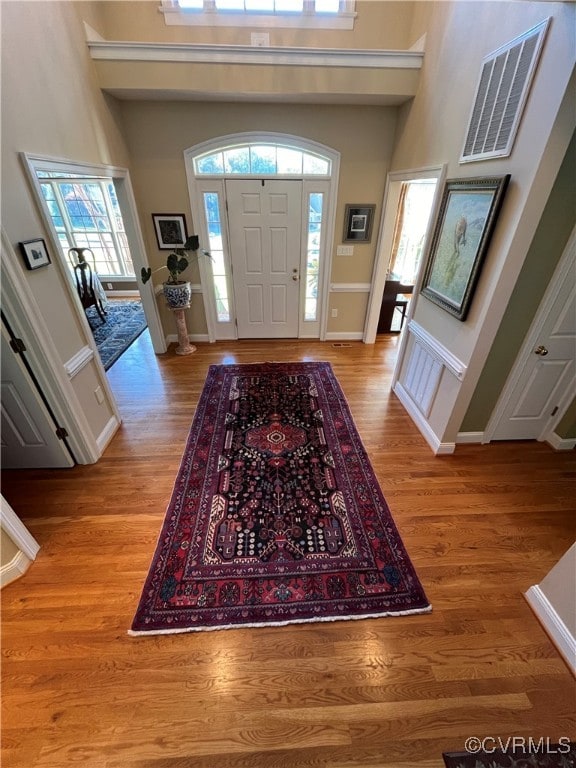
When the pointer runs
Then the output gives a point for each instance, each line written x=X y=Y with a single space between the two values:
x=85 y=214
x=319 y=14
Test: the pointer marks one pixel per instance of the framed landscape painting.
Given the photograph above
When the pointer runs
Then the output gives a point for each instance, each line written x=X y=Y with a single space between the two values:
x=466 y=219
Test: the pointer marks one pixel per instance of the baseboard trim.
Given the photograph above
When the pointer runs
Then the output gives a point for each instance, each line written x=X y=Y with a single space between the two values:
x=107 y=434
x=555 y=628
x=193 y=337
x=13 y=570
x=122 y=294
x=438 y=447
x=344 y=336
x=560 y=443
x=469 y=437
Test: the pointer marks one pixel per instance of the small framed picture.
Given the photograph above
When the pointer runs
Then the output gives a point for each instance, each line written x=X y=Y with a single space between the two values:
x=358 y=223
x=170 y=230
x=35 y=253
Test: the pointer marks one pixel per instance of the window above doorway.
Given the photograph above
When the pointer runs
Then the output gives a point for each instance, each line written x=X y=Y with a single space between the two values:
x=259 y=160
x=306 y=14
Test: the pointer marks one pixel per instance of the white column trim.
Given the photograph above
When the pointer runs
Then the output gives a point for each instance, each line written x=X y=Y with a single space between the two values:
x=17 y=531
x=14 y=569
x=558 y=632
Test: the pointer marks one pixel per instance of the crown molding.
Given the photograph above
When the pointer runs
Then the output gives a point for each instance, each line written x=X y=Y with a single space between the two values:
x=103 y=50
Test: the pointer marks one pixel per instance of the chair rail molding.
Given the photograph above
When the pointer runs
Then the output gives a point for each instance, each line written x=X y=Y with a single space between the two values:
x=79 y=361
x=440 y=352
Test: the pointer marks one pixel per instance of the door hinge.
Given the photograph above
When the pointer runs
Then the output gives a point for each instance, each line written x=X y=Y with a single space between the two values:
x=555 y=411
x=61 y=433
x=17 y=345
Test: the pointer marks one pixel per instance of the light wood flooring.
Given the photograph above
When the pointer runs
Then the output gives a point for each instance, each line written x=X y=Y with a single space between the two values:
x=481 y=527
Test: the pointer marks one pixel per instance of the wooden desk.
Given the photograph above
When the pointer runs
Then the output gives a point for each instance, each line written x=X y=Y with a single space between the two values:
x=396 y=295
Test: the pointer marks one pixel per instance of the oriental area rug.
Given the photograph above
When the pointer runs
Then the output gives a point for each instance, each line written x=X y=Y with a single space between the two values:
x=533 y=753
x=276 y=516
x=124 y=322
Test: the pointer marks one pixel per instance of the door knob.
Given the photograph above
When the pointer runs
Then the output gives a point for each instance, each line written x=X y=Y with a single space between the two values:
x=295 y=275
x=541 y=350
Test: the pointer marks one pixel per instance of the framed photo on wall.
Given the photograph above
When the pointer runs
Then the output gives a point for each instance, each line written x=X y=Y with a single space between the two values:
x=466 y=219
x=170 y=230
x=358 y=221
x=35 y=253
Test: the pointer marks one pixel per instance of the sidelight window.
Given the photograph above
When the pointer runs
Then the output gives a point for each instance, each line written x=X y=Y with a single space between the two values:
x=216 y=248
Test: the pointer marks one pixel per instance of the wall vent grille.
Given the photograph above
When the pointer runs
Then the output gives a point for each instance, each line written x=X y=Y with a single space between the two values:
x=505 y=79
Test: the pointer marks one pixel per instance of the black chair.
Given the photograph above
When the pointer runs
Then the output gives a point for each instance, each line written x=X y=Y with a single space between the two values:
x=86 y=281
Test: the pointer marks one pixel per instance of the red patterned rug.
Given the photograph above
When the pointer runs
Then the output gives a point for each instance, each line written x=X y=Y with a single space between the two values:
x=276 y=515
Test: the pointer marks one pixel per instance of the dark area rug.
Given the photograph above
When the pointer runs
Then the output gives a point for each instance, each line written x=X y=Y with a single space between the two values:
x=276 y=515
x=534 y=753
x=125 y=321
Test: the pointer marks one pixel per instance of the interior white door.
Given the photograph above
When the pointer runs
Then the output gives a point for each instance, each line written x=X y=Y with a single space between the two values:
x=29 y=438
x=264 y=220
x=548 y=370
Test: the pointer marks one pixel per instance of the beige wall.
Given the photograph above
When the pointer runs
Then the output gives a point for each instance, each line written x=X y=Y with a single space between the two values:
x=566 y=429
x=158 y=134
x=8 y=550
x=431 y=131
x=553 y=231
x=378 y=25
x=51 y=106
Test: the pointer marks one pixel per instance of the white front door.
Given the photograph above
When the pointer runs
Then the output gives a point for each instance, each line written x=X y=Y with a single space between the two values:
x=548 y=370
x=29 y=438
x=265 y=223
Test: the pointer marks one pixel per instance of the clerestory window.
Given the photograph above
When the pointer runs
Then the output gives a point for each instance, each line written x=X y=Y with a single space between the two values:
x=317 y=14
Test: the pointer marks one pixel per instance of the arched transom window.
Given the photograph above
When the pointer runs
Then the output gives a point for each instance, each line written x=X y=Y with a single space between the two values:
x=262 y=159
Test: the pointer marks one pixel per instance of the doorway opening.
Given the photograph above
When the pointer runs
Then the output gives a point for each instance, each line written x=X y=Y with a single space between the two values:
x=411 y=226
x=91 y=216
x=264 y=205
x=409 y=201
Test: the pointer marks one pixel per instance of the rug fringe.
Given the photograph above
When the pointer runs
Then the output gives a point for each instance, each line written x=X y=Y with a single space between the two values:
x=142 y=633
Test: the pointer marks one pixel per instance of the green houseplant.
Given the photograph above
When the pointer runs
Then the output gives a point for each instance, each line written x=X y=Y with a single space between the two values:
x=176 y=291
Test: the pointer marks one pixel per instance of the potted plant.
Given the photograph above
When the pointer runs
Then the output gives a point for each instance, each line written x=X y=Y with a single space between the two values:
x=177 y=292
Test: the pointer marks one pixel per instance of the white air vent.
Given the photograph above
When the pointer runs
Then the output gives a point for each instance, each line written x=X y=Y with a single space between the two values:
x=502 y=91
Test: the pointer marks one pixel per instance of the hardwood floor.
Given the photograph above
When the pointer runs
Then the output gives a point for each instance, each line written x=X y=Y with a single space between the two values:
x=481 y=527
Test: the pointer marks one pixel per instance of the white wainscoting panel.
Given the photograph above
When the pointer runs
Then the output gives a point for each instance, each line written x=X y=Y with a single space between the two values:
x=422 y=377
